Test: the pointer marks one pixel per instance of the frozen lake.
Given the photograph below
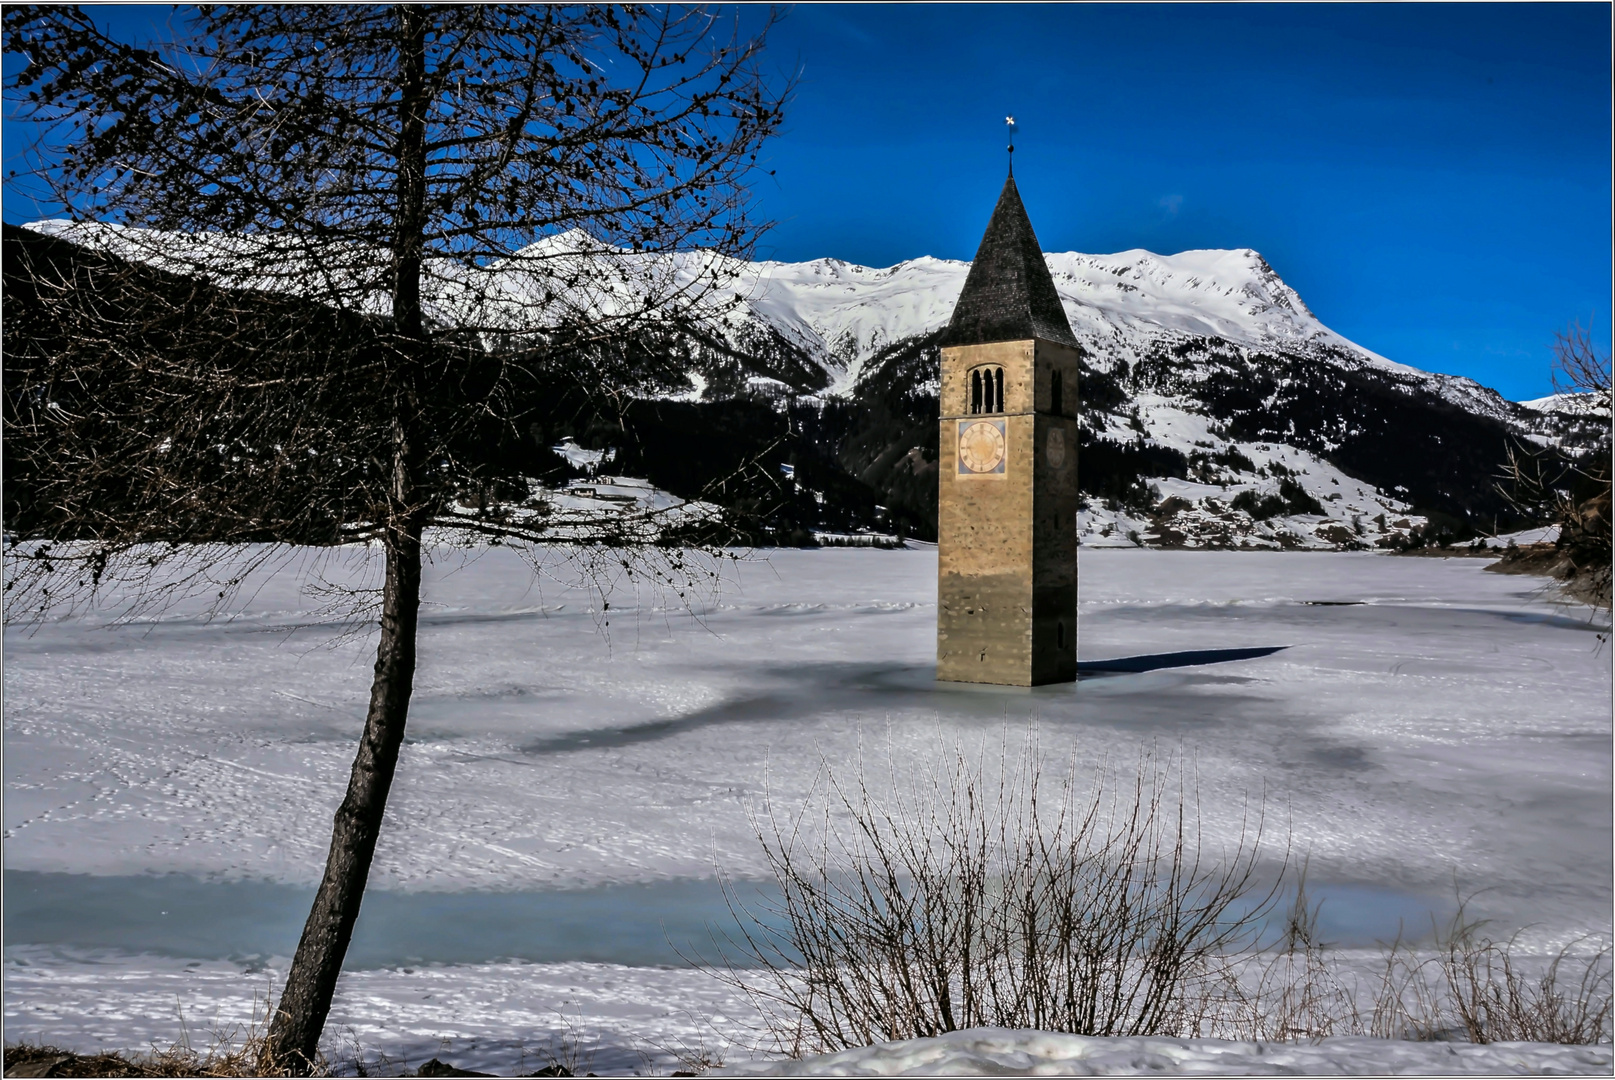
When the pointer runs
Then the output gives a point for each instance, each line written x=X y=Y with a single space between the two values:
x=565 y=796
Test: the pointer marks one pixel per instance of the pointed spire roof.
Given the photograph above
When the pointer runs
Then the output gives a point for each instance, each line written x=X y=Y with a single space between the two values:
x=1008 y=295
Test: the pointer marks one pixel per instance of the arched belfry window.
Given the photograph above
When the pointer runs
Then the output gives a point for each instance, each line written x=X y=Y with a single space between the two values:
x=1056 y=391
x=987 y=390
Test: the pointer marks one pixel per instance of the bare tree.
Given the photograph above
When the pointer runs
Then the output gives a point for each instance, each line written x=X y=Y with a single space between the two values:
x=1584 y=511
x=1579 y=368
x=1573 y=489
x=467 y=193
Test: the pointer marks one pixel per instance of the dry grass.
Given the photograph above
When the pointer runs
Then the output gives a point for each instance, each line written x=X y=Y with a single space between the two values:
x=25 y=1059
x=1476 y=989
x=1290 y=990
x=230 y=1052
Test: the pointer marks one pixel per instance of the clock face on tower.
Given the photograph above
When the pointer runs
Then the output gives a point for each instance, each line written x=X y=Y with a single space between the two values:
x=981 y=447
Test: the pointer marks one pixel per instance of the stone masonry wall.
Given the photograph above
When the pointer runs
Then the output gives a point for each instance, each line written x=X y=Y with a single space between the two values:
x=1006 y=589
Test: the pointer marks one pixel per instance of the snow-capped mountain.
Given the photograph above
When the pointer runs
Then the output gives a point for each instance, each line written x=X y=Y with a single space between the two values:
x=1216 y=408
x=836 y=315
x=842 y=314
x=1210 y=390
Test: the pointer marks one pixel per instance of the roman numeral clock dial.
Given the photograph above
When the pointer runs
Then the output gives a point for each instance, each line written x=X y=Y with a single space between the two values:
x=981 y=446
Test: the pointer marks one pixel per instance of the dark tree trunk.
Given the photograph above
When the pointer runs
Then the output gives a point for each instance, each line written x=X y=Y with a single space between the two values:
x=294 y=1034
x=299 y=1019
x=410 y=221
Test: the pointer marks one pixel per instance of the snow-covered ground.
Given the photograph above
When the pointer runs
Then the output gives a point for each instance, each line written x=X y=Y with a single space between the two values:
x=996 y=1052
x=569 y=787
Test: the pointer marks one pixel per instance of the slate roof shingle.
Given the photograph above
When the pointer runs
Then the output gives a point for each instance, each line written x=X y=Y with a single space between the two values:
x=1008 y=294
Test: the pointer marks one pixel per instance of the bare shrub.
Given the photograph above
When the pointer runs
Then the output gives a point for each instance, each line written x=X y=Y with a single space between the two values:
x=1475 y=989
x=959 y=897
x=965 y=900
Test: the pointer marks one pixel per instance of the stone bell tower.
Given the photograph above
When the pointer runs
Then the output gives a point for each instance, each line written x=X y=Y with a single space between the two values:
x=1007 y=506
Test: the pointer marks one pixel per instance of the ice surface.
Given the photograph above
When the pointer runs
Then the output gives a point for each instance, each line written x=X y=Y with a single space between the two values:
x=255 y=922
x=1422 y=723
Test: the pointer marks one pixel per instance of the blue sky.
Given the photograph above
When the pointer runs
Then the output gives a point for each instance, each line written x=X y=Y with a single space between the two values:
x=1433 y=179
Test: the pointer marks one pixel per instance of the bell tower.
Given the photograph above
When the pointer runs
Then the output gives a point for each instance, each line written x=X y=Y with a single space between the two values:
x=1007 y=505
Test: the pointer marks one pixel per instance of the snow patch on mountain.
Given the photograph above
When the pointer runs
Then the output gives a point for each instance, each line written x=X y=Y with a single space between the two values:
x=566 y=277
x=1211 y=508
x=1574 y=404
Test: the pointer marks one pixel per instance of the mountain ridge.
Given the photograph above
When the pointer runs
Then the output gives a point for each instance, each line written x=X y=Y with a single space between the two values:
x=839 y=314
x=842 y=314
x=1216 y=408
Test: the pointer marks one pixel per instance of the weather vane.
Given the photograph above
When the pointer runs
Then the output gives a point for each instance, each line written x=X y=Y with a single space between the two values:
x=1009 y=122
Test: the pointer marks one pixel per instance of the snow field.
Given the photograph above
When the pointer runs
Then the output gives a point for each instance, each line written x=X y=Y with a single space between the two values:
x=1425 y=723
x=996 y=1052
x=506 y=1018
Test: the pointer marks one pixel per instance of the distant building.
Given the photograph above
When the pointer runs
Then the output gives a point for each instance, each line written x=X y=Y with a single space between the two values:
x=1007 y=539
